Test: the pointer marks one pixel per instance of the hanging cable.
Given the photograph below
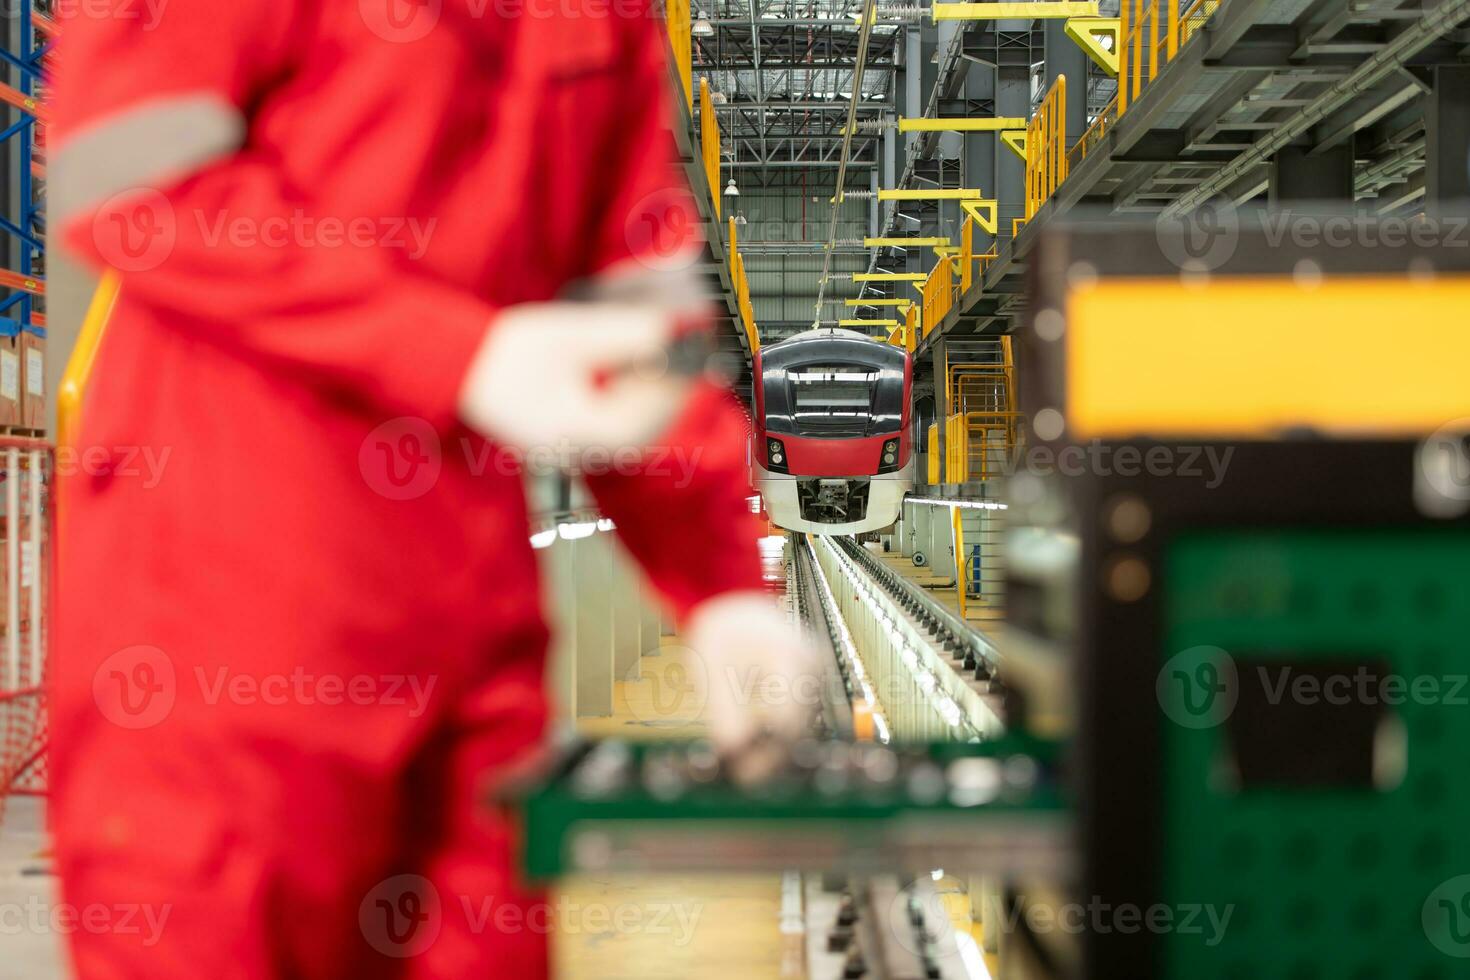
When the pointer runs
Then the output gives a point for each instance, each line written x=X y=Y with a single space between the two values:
x=870 y=8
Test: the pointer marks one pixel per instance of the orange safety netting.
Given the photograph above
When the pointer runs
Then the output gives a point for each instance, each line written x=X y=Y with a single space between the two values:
x=25 y=477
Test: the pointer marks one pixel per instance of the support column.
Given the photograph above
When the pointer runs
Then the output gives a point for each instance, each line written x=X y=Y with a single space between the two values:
x=941 y=543
x=650 y=631
x=890 y=172
x=595 y=674
x=942 y=407
x=1064 y=57
x=980 y=148
x=1300 y=174
x=627 y=615
x=1012 y=99
x=912 y=102
x=558 y=570
x=1447 y=136
x=923 y=517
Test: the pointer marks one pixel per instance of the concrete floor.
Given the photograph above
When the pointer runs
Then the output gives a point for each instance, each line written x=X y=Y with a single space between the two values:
x=30 y=946
x=735 y=918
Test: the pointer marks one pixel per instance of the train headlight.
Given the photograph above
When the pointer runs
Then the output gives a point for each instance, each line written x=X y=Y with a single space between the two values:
x=776 y=455
x=890 y=456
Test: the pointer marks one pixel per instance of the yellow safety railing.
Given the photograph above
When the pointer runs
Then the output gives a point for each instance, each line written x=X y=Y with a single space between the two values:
x=1139 y=59
x=709 y=143
x=973 y=440
x=1046 y=147
x=939 y=292
x=1100 y=127
x=741 y=285
x=681 y=41
x=1151 y=32
x=936 y=465
x=972 y=266
x=984 y=423
x=83 y=356
x=956 y=517
x=967 y=252
x=913 y=323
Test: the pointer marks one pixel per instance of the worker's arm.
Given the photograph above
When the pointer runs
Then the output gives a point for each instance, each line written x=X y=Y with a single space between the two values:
x=150 y=157
x=684 y=513
x=679 y=503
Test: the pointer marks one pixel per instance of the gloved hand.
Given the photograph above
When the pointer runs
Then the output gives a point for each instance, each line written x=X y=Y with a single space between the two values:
x=568 y=377
x=762 y=678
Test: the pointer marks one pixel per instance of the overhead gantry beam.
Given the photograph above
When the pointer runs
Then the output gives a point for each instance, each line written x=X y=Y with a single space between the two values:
x=929 y=194
x=904 y=242
x=1047 y=10
x=961 y=124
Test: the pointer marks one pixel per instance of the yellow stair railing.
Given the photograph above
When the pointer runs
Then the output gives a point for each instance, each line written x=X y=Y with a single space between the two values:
x=983 y=423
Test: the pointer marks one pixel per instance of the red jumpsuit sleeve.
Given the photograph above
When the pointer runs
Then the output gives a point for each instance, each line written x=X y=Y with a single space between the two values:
x=684 y=513
x=157 y=98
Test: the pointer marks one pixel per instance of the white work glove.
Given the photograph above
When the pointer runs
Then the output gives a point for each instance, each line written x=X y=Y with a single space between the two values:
x=569 y=377
x=762 y=678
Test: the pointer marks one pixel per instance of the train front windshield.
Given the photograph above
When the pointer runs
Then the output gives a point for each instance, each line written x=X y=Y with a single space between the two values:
x=833 y=388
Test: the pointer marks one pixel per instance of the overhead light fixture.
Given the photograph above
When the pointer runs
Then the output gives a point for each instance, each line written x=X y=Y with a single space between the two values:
x=717 y=97
x=731 y=190
x=702 y=27
x=739 y=218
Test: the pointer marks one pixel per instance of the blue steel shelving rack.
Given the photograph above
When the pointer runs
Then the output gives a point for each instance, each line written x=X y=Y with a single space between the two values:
x=28 y=39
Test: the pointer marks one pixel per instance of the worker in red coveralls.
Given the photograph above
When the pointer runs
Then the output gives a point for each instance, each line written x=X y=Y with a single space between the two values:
x=364 y=246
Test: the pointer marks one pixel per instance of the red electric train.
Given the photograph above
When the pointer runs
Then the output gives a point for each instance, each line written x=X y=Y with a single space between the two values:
x=831 y=451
